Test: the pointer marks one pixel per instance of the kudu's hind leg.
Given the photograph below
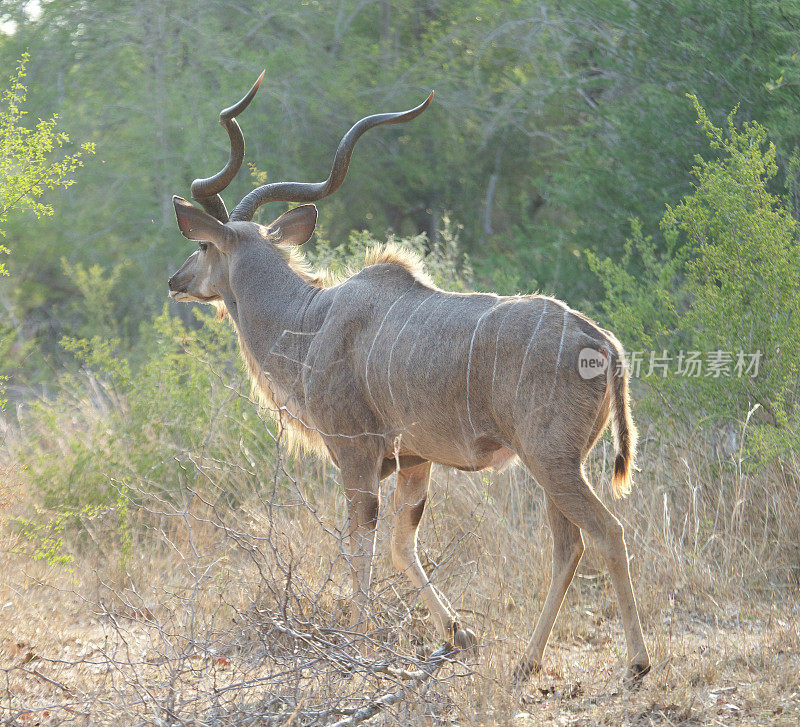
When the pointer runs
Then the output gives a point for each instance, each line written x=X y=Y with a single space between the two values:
x=409 y=504
x=567 y=552
x=567 y=488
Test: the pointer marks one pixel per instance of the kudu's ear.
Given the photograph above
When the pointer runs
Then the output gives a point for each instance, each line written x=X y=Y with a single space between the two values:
x=293 y=227
x=195 y=224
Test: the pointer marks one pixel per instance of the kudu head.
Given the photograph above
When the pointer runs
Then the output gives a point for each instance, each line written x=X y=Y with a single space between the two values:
x=204 y=277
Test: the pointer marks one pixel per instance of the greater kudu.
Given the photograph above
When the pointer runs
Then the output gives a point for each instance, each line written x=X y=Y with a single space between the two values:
x=385 y=372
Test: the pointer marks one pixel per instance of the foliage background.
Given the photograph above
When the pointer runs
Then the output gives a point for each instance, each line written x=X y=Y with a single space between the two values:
x=638 y=160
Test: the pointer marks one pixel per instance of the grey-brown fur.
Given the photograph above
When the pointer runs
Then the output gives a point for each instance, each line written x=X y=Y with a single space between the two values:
x=383 y=371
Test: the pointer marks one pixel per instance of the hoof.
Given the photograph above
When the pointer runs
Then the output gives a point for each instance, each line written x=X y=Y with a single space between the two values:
x=523 y=671
x=465 y=640
x=636 y=672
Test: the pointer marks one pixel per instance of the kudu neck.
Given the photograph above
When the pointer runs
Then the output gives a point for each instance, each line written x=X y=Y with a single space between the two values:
x=267 y=297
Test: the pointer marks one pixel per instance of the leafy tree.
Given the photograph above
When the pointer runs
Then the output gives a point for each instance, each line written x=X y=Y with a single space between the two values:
x=27 y=164
x=552 y=125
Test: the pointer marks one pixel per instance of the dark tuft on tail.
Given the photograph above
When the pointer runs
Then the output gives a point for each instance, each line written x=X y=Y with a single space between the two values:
x=620 y=467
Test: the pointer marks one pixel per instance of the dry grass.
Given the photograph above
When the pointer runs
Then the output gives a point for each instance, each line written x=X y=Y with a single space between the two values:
x=222 y=615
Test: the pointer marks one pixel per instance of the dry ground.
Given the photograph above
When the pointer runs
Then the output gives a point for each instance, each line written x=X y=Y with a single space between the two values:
x=198 y=612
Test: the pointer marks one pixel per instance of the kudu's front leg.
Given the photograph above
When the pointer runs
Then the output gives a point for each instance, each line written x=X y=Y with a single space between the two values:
x=409 y=504
x=362 y=490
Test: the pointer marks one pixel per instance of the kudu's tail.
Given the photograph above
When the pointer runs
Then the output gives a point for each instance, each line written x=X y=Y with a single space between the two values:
x=625 y=433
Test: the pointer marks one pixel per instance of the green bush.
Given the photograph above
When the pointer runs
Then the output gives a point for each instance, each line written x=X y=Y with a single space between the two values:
x=117 y=421
x=728 y=288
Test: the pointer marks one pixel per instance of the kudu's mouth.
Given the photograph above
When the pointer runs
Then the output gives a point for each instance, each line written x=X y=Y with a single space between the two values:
x=174 y=292
x=183 y=296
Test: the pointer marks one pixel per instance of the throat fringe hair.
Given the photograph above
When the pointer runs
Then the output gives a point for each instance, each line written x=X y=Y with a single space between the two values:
x=295 y=426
